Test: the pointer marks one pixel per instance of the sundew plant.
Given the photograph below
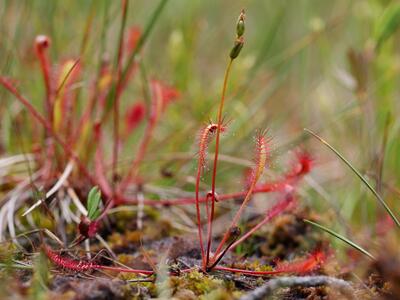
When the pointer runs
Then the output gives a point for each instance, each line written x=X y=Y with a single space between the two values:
x=199 y=150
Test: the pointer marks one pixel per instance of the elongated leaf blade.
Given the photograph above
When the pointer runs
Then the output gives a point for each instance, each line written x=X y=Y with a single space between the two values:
x=365 y=181
x=342 y=238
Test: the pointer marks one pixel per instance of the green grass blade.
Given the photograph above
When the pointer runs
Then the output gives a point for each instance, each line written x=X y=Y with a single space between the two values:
x=15 y=266
x=341 y=237
x=387 y=24
x=365 y=181
x=131 y=59
x=143 y=38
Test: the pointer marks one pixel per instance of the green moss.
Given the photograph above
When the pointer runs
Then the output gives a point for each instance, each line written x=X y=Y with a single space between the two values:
x=220 y=294
x=196 y=282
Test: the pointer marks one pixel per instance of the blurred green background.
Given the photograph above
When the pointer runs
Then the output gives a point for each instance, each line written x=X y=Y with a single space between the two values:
x=305 y=64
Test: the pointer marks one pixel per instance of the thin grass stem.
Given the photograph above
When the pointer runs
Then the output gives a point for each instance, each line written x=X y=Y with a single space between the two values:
x=117 y=94
x=342 y=238
x=365 y=181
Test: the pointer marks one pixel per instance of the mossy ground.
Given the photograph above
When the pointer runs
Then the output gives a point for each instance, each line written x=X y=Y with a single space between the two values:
x=166 y=248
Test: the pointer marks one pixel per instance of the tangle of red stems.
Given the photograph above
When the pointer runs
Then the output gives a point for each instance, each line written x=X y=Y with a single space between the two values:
x=300 y=266
x=261 y=157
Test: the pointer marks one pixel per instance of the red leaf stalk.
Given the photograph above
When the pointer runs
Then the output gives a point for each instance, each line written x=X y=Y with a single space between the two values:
x=205 y=137
x=276 y=210
x=262 y=153
x=309 y=264
x=42 y=43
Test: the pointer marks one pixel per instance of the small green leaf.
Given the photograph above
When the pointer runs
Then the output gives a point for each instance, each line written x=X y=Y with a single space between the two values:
x=93 y=202
x=96 y=214
x=387 y=24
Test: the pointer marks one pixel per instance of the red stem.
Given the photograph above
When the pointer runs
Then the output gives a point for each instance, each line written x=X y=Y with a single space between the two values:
x=199 y=227
x=42 y=43
x=271 y=213
x=292 y=176
x=261 y=159
x=204 y=138
x=235 y=220
x=214 y=174
x=301 y=266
